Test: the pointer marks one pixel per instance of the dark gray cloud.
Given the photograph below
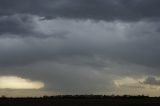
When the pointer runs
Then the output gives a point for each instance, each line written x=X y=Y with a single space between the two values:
x=152 y=81
x=84 y=9
x=134 y=43
x=16 y=24
x=24 y=25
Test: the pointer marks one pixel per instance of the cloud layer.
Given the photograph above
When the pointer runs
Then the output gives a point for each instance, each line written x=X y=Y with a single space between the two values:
x=96 y=9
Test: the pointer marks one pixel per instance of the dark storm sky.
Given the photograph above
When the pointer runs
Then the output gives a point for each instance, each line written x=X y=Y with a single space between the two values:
x=82 y=46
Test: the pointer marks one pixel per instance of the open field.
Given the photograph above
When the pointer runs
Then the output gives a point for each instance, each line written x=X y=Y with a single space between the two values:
x=81 y=101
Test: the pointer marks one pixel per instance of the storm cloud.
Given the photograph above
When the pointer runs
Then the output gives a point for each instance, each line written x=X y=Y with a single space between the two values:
x=128 y=42
x=80 y=46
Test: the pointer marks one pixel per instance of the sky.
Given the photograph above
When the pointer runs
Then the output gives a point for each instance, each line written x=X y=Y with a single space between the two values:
x=52 y=47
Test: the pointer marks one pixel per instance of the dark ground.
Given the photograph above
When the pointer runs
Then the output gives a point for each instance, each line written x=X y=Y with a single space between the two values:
x=81 y=101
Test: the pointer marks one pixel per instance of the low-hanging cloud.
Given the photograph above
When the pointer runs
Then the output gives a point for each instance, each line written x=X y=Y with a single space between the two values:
x=115 y=41
x=152 y=81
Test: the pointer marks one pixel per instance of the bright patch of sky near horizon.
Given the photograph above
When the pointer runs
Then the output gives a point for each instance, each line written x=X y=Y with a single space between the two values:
x=14 y=82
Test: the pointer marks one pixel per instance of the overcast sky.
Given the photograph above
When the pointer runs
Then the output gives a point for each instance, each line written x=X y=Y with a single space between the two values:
x=79 y=47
